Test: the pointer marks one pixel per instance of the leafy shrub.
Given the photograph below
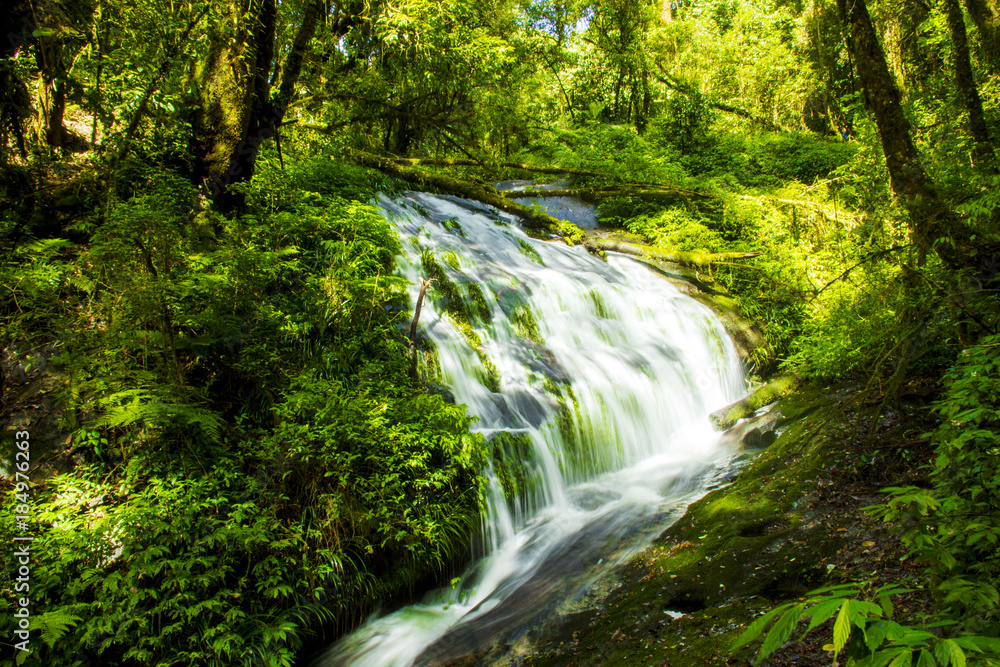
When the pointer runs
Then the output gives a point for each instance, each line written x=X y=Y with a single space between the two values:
x=684 y=122
x=677 y=228
x=261 y=465
x=955 y=526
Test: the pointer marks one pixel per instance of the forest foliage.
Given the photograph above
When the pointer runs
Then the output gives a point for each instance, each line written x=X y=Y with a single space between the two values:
x=189 y=253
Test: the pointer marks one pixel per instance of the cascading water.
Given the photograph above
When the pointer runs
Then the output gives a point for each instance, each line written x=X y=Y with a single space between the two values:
x=592 y=380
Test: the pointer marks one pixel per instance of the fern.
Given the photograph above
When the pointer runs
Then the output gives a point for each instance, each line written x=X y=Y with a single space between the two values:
x=54 y=625
x=143 y=407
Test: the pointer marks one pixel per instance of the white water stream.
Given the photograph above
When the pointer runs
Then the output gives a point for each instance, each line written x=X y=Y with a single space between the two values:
x=629 y=367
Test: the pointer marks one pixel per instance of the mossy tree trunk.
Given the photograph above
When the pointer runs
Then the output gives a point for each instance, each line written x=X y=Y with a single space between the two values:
x=237 y=112
x=695 y=260
x=230 y=84
x=532 y=218
x=931 y=220
x=986 y=16
x=982 y=150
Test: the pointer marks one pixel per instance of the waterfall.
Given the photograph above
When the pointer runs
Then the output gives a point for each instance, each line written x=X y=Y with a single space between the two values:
x=592 y=381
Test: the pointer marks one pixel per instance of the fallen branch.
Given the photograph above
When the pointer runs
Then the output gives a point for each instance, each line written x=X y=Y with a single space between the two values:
x=695 y=260
x=777 y=388
x=414 y=375
x=595 y=194
x=451 y=162
x=532 y=218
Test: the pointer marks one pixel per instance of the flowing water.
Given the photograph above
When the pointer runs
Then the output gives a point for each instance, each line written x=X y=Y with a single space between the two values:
x=599 y=431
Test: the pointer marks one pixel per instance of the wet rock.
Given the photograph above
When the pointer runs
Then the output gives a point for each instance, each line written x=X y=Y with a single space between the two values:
x=440 y=390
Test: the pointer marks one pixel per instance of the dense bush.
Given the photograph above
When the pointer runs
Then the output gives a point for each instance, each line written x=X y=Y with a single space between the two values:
x=260 y=463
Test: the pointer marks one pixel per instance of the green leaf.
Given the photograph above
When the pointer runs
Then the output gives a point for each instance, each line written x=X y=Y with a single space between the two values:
x=886 y=603
x=781 y=632
x=948 y=652
x=754 y=629
x=875 y=635
x=904 y=659
x=822 y=612
x=842 y=627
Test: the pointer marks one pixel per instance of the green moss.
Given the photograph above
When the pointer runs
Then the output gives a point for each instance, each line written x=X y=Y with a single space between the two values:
x=488 y=375
x=769 y=393
x=446 y=293
x=599 y=306
x=453 y=226
x=491 y=376
x=528 y=251
x=526 y=326
x=431 y=364
x=479 y=305
x=448 y=296
x=514 y=464
x=451 y=259
x=736 y=552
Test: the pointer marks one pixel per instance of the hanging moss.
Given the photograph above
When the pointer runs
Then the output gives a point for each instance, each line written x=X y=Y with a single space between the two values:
x=514 y=464
x=451 y=259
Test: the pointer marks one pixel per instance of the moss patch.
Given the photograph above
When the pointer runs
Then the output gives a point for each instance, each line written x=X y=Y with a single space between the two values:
x=526 y=326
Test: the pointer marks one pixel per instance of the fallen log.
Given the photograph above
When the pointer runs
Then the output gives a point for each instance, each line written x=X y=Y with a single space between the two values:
x=695 y=260
x=777 y=388
x=596 y=194
x=452 y=162
x=532 y=218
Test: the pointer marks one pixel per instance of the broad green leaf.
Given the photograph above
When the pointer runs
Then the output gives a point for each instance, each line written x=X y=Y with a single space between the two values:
x=904 y=659
x=886 y=603
x=875 y=635
x=754 y=629
x=948 y=652
x=781 y=632
x=822 y=612
x=842 y=627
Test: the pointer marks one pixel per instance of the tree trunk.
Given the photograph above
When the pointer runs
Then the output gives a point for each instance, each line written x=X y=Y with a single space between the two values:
x=237 y=113
x=933 y=224
x=414 y=375
x=982 y=150
x=292 y=68
x=667 y=11
x=987 y=20
x=233 y=90
x=52 y=79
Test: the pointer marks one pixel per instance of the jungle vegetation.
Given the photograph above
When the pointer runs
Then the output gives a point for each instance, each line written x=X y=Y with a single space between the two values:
x=202 y=329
